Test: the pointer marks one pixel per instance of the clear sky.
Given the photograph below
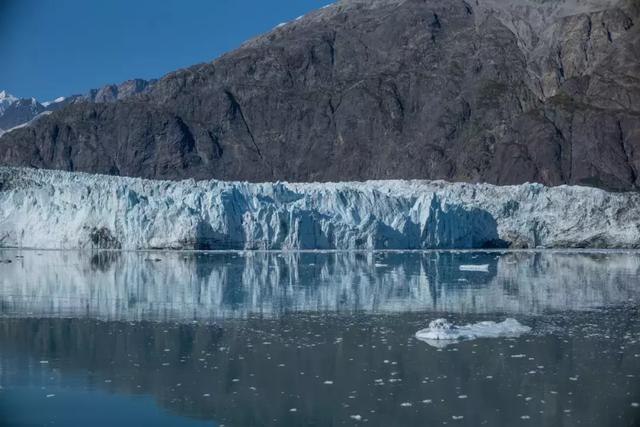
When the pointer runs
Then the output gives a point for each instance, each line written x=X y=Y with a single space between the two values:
x=51 y=48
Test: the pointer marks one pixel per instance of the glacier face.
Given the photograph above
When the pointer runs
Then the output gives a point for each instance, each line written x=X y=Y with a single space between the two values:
x=53 y=209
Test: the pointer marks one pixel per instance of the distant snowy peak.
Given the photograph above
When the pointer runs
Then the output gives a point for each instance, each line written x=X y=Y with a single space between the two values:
x=7 y=97
x=6 y=100
x=16 y=113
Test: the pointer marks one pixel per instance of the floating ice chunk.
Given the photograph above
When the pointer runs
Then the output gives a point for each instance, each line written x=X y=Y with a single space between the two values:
x=475 y=267
x=441 y=333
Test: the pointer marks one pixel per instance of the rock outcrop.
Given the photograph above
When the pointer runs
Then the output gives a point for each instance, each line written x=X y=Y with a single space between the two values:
x=52 y=209
x=493 y=91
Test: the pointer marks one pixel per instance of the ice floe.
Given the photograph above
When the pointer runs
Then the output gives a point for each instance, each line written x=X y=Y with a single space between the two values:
x=441 y=332
x=473 y=267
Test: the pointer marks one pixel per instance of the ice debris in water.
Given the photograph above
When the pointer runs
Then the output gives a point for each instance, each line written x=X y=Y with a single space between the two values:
x=441 y=332
x=475 y=267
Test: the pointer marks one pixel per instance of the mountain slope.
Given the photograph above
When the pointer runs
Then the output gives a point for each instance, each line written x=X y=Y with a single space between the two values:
x=495 y=91
x=15 y=112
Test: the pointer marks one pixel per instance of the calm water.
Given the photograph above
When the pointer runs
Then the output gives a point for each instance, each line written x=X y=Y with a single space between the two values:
x=236 y=339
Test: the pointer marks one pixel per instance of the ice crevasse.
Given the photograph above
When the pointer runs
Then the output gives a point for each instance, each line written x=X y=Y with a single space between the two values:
x=54 y=209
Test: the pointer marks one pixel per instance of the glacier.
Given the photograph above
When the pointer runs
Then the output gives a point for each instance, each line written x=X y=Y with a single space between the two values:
x=63 y=210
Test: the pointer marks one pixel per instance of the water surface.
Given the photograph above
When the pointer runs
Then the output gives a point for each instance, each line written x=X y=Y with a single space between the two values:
x=174 y=338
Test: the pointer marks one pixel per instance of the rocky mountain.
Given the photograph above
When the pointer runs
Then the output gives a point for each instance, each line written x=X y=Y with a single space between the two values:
x=498 y=91
x=14 y=111
x=112 y=93
x=17 y=112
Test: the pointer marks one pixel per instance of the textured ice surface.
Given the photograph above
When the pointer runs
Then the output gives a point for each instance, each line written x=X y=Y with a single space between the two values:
x=53 y=209
x=440 y=332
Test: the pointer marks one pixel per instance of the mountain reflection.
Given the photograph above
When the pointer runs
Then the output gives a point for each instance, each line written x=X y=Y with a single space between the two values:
x=187 y=286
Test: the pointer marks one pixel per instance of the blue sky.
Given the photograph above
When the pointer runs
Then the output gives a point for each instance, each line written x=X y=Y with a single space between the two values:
x=51 y=48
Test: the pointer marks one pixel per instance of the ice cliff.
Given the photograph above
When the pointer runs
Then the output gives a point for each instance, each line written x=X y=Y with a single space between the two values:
x=53 y=209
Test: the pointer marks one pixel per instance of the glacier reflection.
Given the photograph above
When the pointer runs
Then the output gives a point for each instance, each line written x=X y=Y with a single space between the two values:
x=186 y=286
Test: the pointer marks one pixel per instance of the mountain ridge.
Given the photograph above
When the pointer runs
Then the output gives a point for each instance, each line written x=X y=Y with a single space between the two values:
x=17 y=112
x=486 y=91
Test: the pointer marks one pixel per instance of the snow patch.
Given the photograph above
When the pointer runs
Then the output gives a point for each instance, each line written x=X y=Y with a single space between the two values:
x=55 y=101
x=30 y=122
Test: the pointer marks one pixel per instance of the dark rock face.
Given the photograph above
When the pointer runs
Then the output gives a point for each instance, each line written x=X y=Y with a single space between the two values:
x=112 y=93
x=496 y=91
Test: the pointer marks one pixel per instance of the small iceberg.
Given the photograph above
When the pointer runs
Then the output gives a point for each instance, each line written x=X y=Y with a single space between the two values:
x=441 y=332
x=475 y=267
